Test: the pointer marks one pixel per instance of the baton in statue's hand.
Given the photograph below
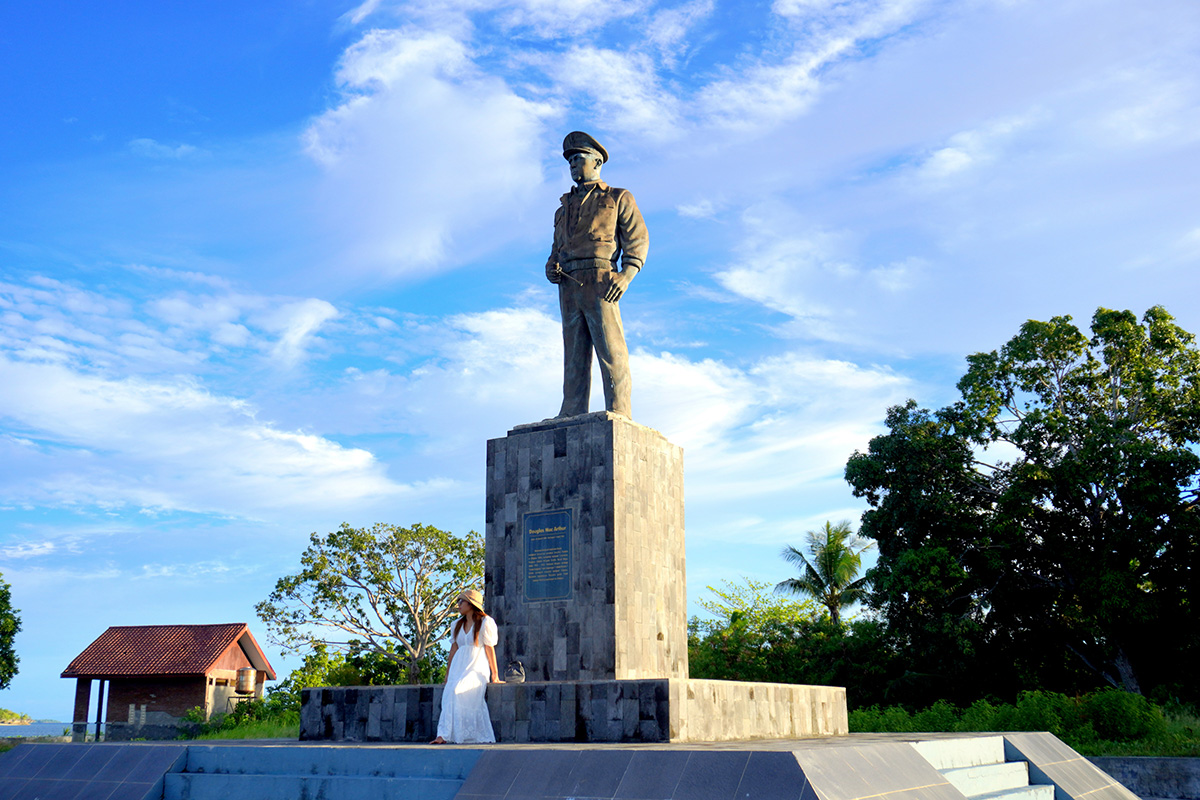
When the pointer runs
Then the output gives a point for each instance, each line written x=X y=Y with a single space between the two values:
x=559 y=272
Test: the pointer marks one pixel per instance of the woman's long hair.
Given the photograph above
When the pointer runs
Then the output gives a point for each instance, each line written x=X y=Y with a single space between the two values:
x=458 y=626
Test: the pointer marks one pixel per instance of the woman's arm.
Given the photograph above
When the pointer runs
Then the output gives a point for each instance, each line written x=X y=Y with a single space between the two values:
x=450 y=658
x=491 y=657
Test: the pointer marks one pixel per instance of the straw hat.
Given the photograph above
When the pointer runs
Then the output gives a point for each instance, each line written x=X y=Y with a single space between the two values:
x=473 y=597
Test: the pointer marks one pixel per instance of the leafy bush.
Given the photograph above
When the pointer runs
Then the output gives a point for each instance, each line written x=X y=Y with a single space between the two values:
x=941 y=716
x=1122 y=716
x=1109 y=722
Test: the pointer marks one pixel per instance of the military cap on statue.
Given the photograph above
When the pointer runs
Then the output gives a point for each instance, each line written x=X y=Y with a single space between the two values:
x=580 y=142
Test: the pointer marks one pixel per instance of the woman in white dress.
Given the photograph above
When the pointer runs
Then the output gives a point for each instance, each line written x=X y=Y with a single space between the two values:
x=471 y=666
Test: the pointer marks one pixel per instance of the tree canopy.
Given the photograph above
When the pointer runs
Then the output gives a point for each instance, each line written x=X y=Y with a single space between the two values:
x=757 y=635
x=831 y=578
x=1071 y=550
x=10 y=625
x=385 y=592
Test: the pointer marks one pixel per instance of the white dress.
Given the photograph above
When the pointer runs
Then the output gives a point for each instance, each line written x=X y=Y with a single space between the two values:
x=464 y=708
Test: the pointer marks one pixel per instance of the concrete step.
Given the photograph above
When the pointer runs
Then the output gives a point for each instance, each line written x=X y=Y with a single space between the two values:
x=966 y=752
x=1039 y=792
x=188 y=786
x=987 y=778
x=373 y=762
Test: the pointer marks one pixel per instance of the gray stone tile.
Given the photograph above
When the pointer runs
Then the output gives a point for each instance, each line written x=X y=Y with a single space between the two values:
x=1112 y=792
x=9 y=760
x=132 y=790
x=771 y=776
x=1040 y=748
x=11 y=787
x=36 y=757
x=36 y=789
x=492 y=775
x=652 y=774
x=157 y=760
x=943 y=792
x=711 y=776
x=65 y=757
x=598 y=773
x=545 y=773
x=1076 y=778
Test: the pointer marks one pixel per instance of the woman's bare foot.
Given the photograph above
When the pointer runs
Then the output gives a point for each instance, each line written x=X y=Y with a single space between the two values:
x=438 y=740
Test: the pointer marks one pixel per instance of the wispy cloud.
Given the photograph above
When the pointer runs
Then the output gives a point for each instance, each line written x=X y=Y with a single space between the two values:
x=197 y=446
x=28 y=550
x=149 y=148
x=971 y=150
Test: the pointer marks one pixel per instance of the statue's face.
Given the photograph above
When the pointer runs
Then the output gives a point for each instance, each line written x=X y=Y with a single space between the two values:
x=585 y=167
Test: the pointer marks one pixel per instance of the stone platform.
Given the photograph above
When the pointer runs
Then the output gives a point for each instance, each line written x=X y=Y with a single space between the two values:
x=585 y=550
x=651 y=710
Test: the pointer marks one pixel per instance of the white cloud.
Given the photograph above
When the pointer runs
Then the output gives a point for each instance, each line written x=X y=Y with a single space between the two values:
x=777 y=89
x=28 y=550
x=168 y=445
x=534 y=19
x=296 y=324
x=623 y=89
x=420 y=136
x=360 y=12
x=149 y=148
x=781 y=267
x=669 y=28
x=771 y=427
x=555 y=18
x=971 y=149
x=490 y=370
x=898 y=276
x=701 y=209
x=209 y=570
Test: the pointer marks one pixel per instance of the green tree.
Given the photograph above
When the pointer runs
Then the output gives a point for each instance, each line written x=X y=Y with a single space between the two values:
x=751 y=636
x=756 y=635
x=1082 y=537
x=386 y=590
x=831 y=578
x=10 y=625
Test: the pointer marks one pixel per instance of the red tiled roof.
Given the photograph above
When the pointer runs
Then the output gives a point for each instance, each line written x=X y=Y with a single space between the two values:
x=163 y=650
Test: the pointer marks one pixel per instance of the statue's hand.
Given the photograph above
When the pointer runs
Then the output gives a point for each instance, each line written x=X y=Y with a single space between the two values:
x=620 y=282
x=554 y=273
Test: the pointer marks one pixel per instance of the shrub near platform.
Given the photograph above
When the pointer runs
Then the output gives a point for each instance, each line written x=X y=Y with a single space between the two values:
x=1110 y=723
x=254 y=719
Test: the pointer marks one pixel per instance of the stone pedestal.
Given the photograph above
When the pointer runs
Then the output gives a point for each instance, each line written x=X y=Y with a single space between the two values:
x=585 y=550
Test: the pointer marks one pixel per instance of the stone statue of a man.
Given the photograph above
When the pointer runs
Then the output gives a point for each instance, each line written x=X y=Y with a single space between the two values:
x=594 y=226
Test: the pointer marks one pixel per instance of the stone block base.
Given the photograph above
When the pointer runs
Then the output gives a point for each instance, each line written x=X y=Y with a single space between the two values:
x=652 y=710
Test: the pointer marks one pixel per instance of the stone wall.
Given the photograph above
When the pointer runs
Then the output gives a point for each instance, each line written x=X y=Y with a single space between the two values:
x=626 y=617
x=732 y=710
x=653 y=710
x=1148 y=776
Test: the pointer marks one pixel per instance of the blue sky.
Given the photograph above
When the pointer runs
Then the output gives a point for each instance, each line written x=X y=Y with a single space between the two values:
x=269 y=267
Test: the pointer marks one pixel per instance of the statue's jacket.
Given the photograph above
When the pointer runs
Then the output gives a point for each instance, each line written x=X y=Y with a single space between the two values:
x=594 y=225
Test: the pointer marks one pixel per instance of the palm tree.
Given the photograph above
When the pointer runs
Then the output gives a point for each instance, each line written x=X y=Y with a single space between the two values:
x=830 y=577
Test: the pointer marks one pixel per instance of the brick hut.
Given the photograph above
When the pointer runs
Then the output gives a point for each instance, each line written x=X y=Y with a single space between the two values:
x=156 y=673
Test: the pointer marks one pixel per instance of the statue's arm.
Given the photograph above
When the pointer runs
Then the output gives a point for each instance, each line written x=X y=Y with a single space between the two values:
x=553 y=272
x=632 y=237
x=634 y=243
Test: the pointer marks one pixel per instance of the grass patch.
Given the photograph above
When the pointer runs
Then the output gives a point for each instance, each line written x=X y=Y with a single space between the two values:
x=258 y=729
x=1107 y=723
